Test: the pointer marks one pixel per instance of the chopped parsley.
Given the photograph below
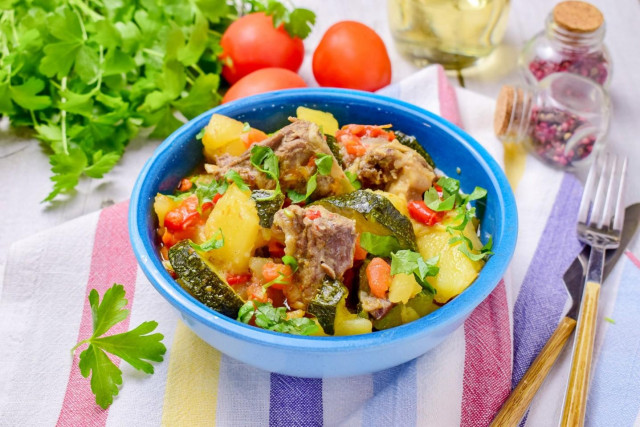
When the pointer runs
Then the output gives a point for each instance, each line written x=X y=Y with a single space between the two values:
x=324 y=163
x=275 y=319
x=215 y=242
x=410 y=262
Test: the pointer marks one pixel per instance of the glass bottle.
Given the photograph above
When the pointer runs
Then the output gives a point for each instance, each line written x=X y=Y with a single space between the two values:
x=562 y=121
x=454 y=33
x=572 y=42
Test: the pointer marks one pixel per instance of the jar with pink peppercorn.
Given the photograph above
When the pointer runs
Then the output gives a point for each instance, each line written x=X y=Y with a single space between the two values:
x=562 y=121
x=572 y=42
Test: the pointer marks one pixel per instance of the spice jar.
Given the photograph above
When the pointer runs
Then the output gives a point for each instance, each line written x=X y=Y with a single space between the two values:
x=561 y=121
x=572 y=42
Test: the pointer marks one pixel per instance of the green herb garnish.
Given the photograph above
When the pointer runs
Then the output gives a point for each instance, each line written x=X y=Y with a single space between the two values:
x=291 y=262
x=353 y=179
x=410 y=262
x=215 y=242
x=136 y=347
x=324 y=163
x=275 y=319
x=381 y=246
x=265 y=160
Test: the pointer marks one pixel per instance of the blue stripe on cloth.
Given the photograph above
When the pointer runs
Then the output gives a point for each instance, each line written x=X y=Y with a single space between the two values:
x=614 y=398
x=394 y=397
x=543 y=295
x=295 y=401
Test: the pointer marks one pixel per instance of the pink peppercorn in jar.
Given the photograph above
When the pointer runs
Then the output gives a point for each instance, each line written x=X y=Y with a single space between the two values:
x=561 y=121
x=572 y=42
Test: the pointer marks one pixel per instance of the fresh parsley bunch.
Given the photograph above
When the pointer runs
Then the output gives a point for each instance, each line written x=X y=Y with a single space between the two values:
x=136 y=347
x=88 y=76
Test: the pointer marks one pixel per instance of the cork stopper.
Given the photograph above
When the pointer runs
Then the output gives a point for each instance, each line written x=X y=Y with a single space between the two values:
x=577 y=16
x=504 y=110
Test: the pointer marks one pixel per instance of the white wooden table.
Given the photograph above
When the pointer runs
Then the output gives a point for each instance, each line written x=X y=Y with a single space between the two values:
x=24 y=169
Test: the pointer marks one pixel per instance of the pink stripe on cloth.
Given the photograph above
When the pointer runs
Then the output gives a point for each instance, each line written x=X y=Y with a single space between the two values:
x=633 y=258
x=448 y=99
x=112 y=260
x=487 y=360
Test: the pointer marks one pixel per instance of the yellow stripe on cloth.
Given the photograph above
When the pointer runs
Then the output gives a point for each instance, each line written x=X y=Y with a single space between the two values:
x=191 y=394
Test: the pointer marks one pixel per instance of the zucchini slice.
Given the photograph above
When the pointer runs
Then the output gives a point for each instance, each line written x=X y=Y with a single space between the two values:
x=267 y=208
x=202 y=281
x=335 y=149
x=418 y=306
x=373 y=213
x=325 y=303
x=412 y=142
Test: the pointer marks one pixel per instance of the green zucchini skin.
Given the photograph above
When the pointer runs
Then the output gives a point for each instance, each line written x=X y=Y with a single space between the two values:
x=378 y=211
x=267 y=208
x=335 y=149
x=200 y=280
x=412 y=142
x=421 y=303
x=324 y=304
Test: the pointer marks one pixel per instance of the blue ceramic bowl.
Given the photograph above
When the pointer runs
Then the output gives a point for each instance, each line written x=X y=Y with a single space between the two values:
x=450 y=148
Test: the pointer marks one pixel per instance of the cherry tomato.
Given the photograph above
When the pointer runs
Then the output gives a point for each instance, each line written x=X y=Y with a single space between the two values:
x=422 y=213
x=352 y=55
x=252 y=43
x=264 y=80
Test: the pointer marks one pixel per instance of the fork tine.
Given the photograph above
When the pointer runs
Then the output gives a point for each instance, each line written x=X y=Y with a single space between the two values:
x=613 y=188
x=597 y=210
x=618 y=219
x=589 y=191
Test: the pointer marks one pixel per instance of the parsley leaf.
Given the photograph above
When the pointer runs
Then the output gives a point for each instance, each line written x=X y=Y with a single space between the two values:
x=410 y=262
x=291 y=262
x=215 y=242
x=88 y=76
x=353 y=179
x=324 y=164
x=381 y=246
x=207 y=192
x=137 y=347
x=275 y=319
x=265 y=160
x=237 y=179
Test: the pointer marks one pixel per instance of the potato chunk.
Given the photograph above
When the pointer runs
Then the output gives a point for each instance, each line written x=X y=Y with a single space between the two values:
x=457 y=271
x=222 y=135
x=236 y=215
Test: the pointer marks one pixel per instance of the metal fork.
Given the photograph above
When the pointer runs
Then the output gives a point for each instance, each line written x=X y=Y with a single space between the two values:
x=600 y=221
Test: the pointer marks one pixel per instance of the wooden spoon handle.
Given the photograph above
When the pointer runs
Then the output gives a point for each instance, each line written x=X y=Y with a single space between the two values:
x=576 y=398
x=520 y=398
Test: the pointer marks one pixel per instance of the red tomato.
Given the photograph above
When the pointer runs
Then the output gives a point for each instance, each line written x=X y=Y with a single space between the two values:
x=264 y=80
x=352 y=55
x=251 y=43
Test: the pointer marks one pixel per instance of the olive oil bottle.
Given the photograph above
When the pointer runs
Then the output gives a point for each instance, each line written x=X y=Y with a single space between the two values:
x=454 y=33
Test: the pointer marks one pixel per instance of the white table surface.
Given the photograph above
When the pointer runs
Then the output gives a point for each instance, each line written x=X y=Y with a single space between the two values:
x=24 y=168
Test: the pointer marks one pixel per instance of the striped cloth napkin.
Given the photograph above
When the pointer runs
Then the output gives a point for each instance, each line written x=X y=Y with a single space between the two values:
x=44 y=312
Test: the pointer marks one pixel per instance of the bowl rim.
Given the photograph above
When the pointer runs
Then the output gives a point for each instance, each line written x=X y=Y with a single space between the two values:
x=452 y=312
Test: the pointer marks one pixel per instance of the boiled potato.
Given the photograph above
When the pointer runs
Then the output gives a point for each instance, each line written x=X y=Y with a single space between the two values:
x=403 y=287
x=347 y=323
x=236 y=215
x=325 y=121
x=222 y=135
x=163 y=204
x=456 y=270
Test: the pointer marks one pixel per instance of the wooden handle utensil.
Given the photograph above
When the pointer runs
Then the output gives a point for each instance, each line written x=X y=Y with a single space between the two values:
x=576 y=398
x=520 y=398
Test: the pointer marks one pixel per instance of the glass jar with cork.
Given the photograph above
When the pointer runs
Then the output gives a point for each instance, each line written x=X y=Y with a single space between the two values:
x=572 y=42
x=562 y=121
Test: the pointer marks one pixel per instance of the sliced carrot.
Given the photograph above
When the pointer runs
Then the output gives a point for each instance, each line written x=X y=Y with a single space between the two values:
x=379 y=277
x=276 y=249
x=281 y=272
x=360 y=253
x=253 y=135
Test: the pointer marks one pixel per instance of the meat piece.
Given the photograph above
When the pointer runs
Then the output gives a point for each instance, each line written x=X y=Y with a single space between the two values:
x=376 y=307
x=295 y=146
x=395 y=168
x=322 y=242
